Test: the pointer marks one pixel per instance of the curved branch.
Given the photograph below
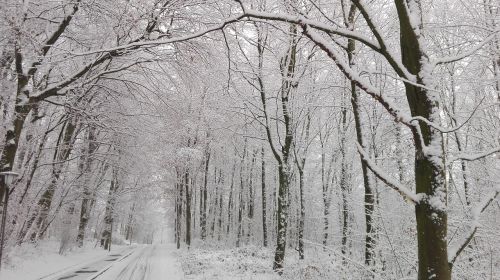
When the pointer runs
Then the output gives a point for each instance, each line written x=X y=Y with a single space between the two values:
x=468 y=157
x=451 y=59
x=402 y=190
x=478 y=210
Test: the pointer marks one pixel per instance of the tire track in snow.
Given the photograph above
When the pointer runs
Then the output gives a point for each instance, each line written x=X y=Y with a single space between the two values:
x=139 y=267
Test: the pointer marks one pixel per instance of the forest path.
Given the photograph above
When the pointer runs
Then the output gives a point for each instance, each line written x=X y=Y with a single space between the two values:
x=148 y=262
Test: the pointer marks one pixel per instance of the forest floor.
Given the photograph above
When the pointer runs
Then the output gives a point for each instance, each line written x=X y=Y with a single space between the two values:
x=255 y=263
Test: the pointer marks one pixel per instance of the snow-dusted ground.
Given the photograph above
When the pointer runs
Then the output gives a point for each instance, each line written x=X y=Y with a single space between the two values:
x=255 y=263
x=29 y=262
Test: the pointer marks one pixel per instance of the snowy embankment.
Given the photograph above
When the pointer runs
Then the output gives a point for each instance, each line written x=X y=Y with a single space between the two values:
x=42 y=261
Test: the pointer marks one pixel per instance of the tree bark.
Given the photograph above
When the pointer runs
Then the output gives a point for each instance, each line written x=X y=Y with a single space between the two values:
x=178 y=208
x=369 y=199
x=188 y=208
x=203 y=198
x=91 y=148
x=61 y=154
x=430 y=212
x=230 y=202
x=107 y=232
x=250 y=213
x=221 y=204
x=288 y=69
x=264 y=198
x=240 y=196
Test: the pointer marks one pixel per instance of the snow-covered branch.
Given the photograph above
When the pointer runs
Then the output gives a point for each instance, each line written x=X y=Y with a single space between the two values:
x=477 y=156
x=378 y=46
x=451 y=59
x=159 y=42
x=386 y=178
x=375 y=93
x=455 y=251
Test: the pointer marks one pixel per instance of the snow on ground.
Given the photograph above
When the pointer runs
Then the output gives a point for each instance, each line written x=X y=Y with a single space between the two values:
x=149 y=262
x=30 y=262
x=253 y=263
x=164 y=261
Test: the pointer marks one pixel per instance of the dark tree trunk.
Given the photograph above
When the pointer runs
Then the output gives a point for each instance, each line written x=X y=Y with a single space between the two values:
x=240 y=198
x=287 y=65
x=129 y=227
x=230 y=202
x=90 y=149
x=61 y=154
x=369 y=199
x=178 y=216
x=302 y=214
x=188 y=208
x=212 y=213
x=203 y=199
x=221 y=204
x=429 y=170
x=345 y=187
x=300 y=162
x=106 y=235
x=250 y=213
x=326 y=170
x=264 y=198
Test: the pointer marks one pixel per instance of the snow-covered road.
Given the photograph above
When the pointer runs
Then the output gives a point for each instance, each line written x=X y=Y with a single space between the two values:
x=153 y=262
x=147 y=262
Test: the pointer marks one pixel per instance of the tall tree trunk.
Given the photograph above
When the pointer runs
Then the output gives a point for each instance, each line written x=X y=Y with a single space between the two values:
x=300 y=162
x=250 y=213
x=63 y=150
x=203 y=199
x=213 y=206
x=178 y=208
x=34 y=166
x=240 y=196
x=282 y=213
x=106 y=235
x=369 y=199
x=281 y=151
x=230 y=201
x=130 y=221
x=188 y=208
x=221 y=203
x=326 y=170
x=302 y=214
x=430 y=212
x=287 y=65
x=90 y=149
x=66 y=232
x=11 y=141
x=264 y=198
x=345 y=187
